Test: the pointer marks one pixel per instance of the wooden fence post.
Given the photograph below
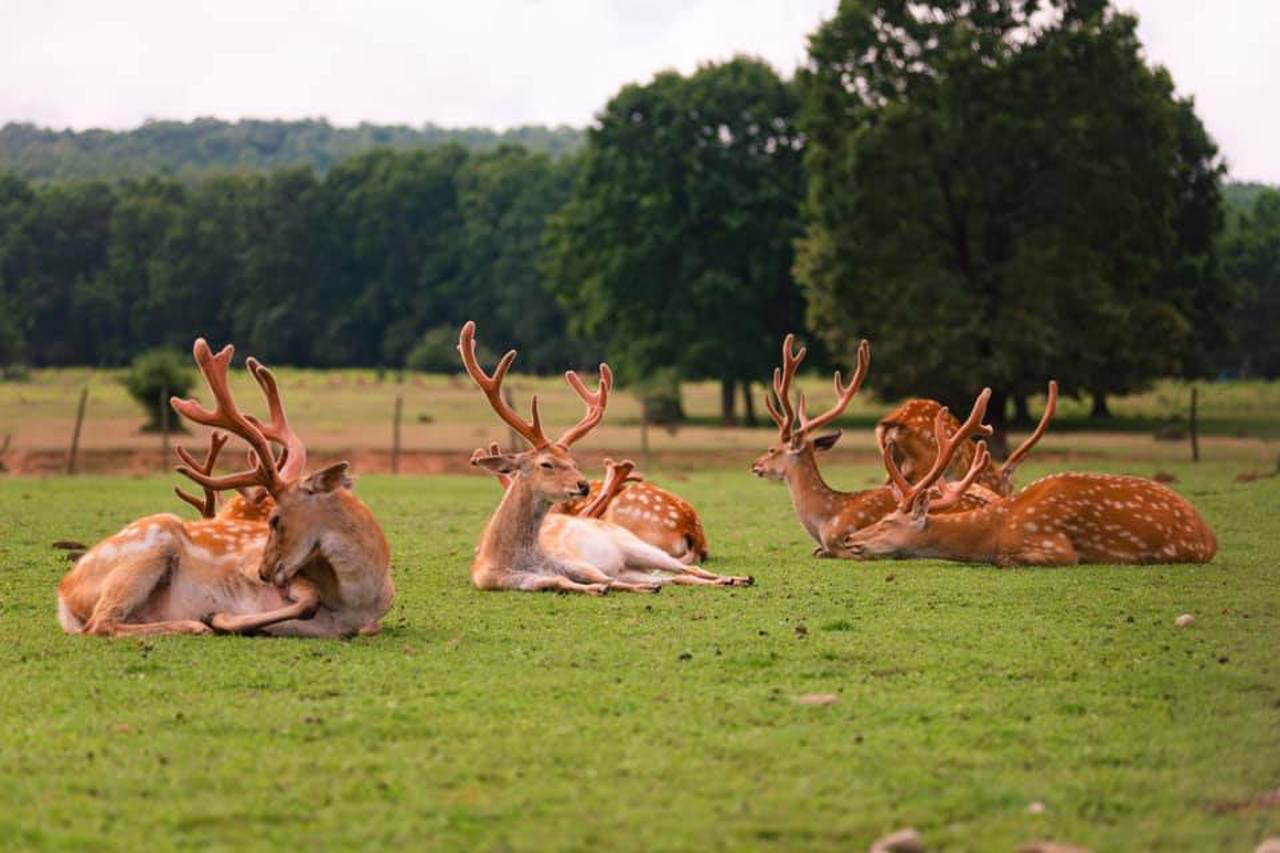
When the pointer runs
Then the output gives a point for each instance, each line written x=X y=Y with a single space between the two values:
x=75 y=435
x=1195 y=426
x=395 y=435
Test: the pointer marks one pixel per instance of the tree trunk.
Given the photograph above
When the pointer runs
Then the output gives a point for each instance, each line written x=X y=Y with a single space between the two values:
x=727 y=387
x=748 y=404
x=1021 y=410
x=1099 y=410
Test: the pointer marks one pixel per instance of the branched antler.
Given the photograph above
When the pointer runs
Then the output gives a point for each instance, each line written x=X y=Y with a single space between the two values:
x=208 y=507
x=908 y=493
x=794 y=421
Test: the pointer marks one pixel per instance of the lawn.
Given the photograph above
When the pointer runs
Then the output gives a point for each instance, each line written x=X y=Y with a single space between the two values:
x=519 y=721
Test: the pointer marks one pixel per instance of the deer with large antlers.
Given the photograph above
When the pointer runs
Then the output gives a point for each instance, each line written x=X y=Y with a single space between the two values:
x=319 y=567
x=663 y=519
x=1058 y=520
x=523 y=547
x=827 y=514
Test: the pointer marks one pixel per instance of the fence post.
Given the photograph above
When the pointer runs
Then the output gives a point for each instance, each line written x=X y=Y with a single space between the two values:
x=75 y=435
x=395 y=435
x=1195 y=426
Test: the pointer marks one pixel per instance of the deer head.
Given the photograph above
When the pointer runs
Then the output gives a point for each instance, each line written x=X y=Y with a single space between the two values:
x=306 y=510
x=797 y=432
x=546 y=467
x=902 y=529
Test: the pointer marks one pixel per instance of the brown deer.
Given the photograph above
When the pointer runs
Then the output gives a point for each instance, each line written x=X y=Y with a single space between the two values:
x=580 y=554
x=320 y=567
x=1058 y=520
x=659 y=517
x=826 y=513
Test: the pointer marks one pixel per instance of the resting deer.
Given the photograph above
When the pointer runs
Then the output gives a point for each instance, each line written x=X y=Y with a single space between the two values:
x=826 y=513
x=1058 y=520
x=525 y=548
x=320 y=567
x=664 y=520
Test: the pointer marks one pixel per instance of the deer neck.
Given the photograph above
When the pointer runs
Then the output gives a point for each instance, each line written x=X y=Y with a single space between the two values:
x=970 y=537
x=814 y=500
x=512 y=531
x=353 y=565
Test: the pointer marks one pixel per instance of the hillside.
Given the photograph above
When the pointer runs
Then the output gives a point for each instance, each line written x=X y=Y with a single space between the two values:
x=190 y=149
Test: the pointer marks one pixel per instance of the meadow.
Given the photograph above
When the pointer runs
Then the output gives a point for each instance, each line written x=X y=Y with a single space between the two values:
x=985 y=707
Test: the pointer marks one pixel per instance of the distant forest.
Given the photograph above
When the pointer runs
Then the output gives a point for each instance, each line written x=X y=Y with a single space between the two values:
x=206 y=146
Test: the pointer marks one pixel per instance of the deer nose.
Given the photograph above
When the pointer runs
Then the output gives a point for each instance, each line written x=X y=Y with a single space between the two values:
x=584 y=488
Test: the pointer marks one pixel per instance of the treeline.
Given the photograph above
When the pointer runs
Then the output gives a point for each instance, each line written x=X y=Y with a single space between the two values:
x=357 y=267
x=205 y=146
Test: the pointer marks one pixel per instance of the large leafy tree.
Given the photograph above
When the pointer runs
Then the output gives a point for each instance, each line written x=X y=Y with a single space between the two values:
x=676 y=247
x=1251 y=254
x=1001 y=191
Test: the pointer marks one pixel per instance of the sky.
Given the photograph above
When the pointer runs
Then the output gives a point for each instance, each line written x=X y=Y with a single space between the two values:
x=501 y=63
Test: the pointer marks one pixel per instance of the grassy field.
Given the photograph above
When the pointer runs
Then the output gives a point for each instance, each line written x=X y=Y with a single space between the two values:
x=520 y=722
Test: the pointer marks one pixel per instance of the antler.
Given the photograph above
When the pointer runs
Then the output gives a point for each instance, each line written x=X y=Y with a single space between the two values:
x=950 y=494
x=532 y=431
x=293 y=456
x=1016 y=457
x=795 y=421
x=947 y=447
x=596 y=404
x=844 y=393
x=227 y=415
x=782 y=413
x=617 y=474
x=209 y=506
x=492 y=387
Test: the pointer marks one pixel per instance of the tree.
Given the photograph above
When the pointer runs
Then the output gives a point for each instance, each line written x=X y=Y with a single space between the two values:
x=987 y=218
x=1251 y=255
x=676 y=246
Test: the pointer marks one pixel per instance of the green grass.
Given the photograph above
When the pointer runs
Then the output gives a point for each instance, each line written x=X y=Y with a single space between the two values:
x=519 y=722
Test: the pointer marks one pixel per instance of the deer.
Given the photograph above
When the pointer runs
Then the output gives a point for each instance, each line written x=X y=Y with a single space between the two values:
x=1058 y=520
x=524 y=546
x=828 y=515
x=659 y=517
x=319 y=566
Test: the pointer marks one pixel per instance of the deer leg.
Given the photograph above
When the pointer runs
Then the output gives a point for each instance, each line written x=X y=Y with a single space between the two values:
x=641 y=556
x=305 y=602
x=1045 y=550
x=587 y=573
x=557 y=583
x=125 y=590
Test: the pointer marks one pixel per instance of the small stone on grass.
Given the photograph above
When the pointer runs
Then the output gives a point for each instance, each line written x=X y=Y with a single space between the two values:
x=1184 y=620
x=902 y=841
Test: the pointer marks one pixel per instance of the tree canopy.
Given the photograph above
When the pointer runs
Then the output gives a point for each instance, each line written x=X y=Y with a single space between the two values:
x=1001 y=192
x=676 y=246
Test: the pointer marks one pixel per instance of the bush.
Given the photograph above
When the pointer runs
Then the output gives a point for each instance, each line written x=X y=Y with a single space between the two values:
x=437 y=352
x=156 y=373
x=660 y=398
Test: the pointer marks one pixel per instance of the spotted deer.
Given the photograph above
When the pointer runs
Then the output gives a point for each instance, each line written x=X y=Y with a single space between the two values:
x=826 y=513
x=659 y=517
x=1058 y=520
x=319 y=567
x=523 y=546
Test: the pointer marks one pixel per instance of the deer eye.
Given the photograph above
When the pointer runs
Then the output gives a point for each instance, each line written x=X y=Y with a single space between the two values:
x=547 y=465
x=274 y=521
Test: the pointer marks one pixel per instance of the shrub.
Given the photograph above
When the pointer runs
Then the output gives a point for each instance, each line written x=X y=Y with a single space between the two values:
x=437 y=352
x=659 y=396
x=155 y=374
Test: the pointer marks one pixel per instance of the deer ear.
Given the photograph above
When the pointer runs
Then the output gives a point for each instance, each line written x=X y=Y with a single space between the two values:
x=328 y=479
x=502 y=464
x=828 y=441
x=920 y=511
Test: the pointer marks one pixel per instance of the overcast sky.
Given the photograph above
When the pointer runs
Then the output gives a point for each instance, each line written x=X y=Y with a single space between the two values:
x=115 y=63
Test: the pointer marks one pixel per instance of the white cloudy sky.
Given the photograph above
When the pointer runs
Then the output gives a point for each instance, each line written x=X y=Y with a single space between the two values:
x=115 y=63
